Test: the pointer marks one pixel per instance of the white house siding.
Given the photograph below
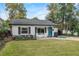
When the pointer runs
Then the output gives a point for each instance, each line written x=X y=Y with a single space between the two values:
x=27 y=33
x=32 y=32
x=15 y=30
x=52 y=33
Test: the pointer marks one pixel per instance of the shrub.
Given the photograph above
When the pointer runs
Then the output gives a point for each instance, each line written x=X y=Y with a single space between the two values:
x=2 y=34
x=23 y=37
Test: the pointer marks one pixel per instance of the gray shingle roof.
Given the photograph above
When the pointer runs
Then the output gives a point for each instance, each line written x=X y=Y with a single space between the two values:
x=30 y=22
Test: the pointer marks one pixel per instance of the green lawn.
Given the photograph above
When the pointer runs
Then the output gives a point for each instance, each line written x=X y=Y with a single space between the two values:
x=41 y=48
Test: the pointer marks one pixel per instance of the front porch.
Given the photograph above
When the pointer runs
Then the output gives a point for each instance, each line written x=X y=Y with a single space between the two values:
x=43 y=31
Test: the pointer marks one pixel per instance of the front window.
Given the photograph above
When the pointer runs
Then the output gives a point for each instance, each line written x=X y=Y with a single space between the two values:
x=24 y=30
x=40 y=31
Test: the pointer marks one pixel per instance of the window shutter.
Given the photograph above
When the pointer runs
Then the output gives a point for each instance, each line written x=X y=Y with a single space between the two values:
x=45 y=29
x=35 y=32
x=18 y=30
x=35 y=29
x=29 y=30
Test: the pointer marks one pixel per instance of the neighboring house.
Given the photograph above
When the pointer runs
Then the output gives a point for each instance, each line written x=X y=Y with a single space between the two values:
x=36 y=28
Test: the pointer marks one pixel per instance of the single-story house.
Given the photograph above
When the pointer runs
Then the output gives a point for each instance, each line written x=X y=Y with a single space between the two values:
x=35 y=28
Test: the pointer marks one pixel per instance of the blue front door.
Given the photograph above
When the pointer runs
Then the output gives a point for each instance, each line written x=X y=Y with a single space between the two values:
x=50 y=31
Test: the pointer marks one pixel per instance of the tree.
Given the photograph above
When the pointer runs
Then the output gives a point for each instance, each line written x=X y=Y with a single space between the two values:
x=53 y=15
x=16 y=10
x=67 y=11
x=56 y=15
x=6 y=24
x=35 y=18
x=65 y=15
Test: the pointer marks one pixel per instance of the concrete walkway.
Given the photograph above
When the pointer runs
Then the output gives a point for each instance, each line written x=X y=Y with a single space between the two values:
x=73 y=38
x=60 y=38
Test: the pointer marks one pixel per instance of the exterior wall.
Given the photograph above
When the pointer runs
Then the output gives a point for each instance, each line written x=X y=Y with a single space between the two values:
x=55 y=33
x=15 y=30
x=32 y=32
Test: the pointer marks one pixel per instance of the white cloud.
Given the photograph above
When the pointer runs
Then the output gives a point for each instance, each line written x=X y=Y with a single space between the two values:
x=39 y=12
x=32 y=11
x=3 y=14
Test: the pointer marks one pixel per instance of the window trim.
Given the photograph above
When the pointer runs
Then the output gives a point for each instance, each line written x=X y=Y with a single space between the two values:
x=41 y=31
x=27 y=30
x=24 y=30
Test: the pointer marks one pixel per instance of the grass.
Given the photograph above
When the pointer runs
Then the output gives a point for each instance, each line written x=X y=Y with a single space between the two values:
x=41 y=48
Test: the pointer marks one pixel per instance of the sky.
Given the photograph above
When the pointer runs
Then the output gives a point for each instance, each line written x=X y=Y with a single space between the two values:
x=38 y=10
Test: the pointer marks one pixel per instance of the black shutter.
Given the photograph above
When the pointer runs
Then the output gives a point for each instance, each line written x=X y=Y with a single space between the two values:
x=45 y=29
x=29 y=30
x=35 y=31
x=18 y=30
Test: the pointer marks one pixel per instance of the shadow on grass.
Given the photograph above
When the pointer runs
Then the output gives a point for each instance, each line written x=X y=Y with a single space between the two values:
x=2 y=44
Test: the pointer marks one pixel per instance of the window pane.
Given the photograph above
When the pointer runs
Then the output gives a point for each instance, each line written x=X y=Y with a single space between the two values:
x=24 y=30
x=40 y=31
x=45 y=29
